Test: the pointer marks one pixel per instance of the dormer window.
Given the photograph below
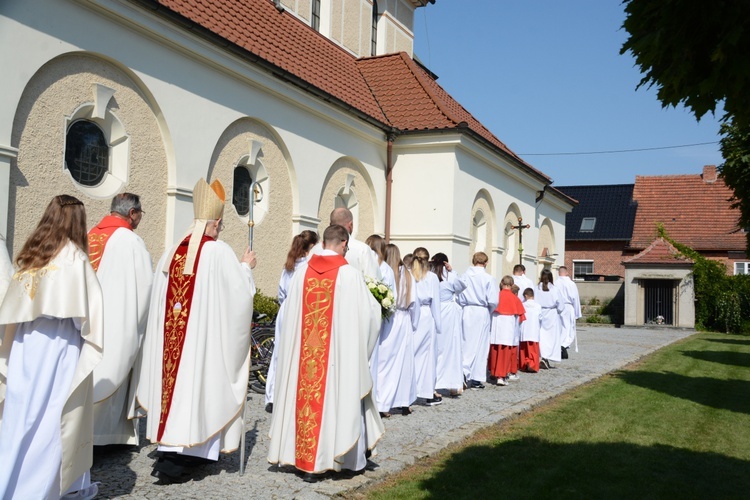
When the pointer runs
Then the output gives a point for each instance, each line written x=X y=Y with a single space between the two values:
x=587 y=224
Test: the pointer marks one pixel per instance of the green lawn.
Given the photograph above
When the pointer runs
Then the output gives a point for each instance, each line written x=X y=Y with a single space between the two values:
x=675 y=425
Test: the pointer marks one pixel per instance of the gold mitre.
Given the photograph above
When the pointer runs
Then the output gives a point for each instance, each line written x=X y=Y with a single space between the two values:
x=208 y=200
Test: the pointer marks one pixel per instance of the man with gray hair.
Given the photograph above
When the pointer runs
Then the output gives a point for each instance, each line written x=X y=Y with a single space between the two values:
x=123 y=266
x=359 y=255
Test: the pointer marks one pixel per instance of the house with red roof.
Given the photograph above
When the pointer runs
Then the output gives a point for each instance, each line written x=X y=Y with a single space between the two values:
x=310 y=105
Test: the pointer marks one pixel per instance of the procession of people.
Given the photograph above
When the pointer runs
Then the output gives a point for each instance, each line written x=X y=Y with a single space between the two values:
x=104 y=341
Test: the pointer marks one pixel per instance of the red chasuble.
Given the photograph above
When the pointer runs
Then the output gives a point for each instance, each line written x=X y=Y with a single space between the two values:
x=317 y=320
x=179 y=297
x=510 y=305
x=99 y=235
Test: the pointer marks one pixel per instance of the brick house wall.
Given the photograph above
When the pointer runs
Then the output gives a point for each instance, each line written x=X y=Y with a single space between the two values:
x=607 y=255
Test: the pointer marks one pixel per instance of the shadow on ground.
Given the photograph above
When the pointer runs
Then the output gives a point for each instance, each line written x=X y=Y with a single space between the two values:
x=724 y=357
x=721 y=394
x=113 y=462
x=745 y=341
x=534 y=468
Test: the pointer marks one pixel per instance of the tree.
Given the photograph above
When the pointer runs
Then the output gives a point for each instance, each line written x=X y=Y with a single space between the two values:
x=695 y=53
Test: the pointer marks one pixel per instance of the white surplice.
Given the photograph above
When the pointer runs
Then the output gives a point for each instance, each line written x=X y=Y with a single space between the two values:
x=571 y=311
x=211 y=385
x=549 y=334
x=51 y=332
x=125 y=275
x=350 y=421
x=478 y=301
x=523 y=282
x=396 y=379
x=531 y=327
x=286 y=278
x=449 y=361
x=429 y=326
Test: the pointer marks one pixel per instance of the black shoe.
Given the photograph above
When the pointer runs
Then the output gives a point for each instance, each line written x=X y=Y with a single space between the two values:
x=269 y=408
x=475 y=384
x=544 y=364
x=564 y=352
x=433 y=401
x=406 y=411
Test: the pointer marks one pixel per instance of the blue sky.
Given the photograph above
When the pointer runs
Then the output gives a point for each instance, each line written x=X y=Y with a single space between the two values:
x=546 y=76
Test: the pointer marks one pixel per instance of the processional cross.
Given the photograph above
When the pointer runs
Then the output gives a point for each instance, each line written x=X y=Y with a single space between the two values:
x=520 y=228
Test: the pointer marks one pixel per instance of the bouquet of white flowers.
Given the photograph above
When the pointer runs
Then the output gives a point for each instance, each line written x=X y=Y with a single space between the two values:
x=383 y=294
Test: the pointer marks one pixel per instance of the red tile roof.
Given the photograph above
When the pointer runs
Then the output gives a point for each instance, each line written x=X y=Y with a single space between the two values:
x=659 y=252
x=413 y=101
x=391 y=90
x=286 y=42
x=693 y=211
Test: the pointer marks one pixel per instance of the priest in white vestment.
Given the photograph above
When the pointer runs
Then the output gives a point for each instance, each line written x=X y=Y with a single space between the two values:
x=51 y=340
x=359 y=255
x=195 y=361
x=478 y=300
x=324 y=415
x=571 y=310
x=123 y=266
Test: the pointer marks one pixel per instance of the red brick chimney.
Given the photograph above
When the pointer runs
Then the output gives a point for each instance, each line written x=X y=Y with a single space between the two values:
x=709 y=174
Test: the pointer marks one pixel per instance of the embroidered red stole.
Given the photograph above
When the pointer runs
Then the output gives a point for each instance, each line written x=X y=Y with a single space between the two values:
x=509 y=304
x=99 y=235
x=317 y=320
x=179 y=300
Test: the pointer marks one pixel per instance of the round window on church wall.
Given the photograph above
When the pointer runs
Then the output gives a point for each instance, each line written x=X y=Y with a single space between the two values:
x=86 y=153
x=241 y=190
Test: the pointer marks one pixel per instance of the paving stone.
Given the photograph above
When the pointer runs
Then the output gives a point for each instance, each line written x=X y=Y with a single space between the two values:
x=125 y=472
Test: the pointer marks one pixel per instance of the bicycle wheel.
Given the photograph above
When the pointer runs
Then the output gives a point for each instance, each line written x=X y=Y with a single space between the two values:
x=265 y=352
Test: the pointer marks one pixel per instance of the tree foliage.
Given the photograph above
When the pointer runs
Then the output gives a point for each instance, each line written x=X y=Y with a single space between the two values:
x=722 y=303
x=695 y=53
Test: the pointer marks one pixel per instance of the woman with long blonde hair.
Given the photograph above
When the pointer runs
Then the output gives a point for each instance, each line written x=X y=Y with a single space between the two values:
x=548 y=297
x=396 y=383
x=430 y=324
x=51 y=318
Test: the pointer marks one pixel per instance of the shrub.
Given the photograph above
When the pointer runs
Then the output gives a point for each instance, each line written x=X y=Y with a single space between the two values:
x=266 y=305
x=721 y=301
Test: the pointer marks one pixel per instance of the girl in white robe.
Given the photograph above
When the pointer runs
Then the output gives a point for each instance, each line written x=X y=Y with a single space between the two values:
x=548 y=298
x=449 y=362
x=378 y=245
x=396 y=382
x=295 y=259
x=51 y=332
x=429 y=327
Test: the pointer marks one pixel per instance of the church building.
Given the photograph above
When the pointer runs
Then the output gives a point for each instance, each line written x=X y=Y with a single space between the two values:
x=319 y=102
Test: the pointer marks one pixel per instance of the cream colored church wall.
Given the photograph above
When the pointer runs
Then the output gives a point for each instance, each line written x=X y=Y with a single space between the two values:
x=56 y=92
x=422 y=207
x=272 y=234
x=200 y=92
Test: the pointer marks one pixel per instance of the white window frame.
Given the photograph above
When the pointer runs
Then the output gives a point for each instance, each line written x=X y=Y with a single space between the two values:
x=582 y=261
x=744 y=266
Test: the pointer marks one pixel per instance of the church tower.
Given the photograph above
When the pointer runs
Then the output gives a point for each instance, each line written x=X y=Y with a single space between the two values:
x=363 y=27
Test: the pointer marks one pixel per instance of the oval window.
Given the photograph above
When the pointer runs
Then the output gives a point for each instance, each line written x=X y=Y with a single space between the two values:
x=86 y=153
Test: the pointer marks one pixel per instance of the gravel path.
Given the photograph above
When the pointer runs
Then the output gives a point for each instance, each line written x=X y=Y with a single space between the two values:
x=125 y=471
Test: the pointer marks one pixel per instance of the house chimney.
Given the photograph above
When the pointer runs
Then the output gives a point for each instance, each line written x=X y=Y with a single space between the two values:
x=709 y=174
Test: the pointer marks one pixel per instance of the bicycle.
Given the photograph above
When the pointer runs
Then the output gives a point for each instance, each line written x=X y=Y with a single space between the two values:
x=261 y=349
